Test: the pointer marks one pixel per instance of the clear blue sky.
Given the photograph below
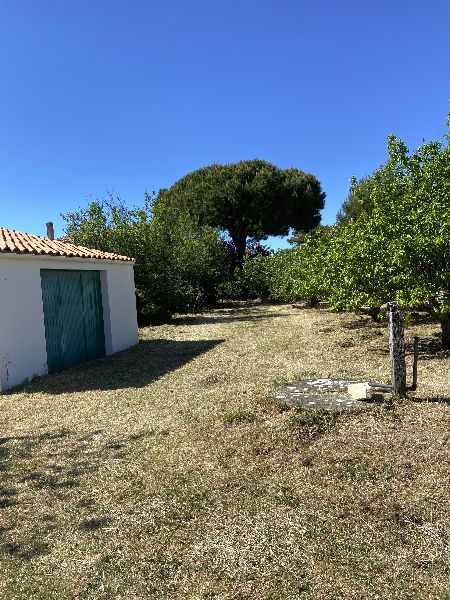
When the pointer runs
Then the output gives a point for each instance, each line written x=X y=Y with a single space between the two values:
x=131 y=95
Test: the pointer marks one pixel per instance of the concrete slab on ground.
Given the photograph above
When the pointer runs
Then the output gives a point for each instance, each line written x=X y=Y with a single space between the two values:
x=321 y=394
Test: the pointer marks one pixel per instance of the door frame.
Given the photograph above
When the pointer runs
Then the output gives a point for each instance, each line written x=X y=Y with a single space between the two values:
x=102 y=281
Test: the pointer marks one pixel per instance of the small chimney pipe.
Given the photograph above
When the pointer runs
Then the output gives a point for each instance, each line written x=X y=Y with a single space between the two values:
x=50 y=231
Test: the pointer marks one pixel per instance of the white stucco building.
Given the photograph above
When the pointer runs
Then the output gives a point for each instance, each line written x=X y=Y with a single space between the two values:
x=60 y=305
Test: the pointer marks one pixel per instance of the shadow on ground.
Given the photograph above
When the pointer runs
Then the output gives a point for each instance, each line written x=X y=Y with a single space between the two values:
x=136 y=367
x=228 y=316
x=429 y=348
x=49 y=469
x=361 y=322
x=431 y=399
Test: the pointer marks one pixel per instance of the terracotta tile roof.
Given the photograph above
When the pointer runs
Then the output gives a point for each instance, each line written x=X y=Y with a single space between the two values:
x=16 y=242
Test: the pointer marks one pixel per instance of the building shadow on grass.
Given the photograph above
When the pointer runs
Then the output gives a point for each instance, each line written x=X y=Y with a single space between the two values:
x=136 y=367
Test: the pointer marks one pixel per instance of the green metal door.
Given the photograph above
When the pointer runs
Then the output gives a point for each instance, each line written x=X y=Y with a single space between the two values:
x=93 y=314
x=73 y=317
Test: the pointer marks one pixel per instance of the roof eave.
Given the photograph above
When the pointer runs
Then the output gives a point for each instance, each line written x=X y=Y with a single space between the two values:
x=37 y=256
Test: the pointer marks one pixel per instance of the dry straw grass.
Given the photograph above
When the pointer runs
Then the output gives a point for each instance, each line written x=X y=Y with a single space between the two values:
x=167 y=472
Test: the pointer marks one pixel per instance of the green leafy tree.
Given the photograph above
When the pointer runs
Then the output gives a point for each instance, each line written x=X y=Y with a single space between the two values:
x=250 y=199
x=359 y=200
x=401 y=250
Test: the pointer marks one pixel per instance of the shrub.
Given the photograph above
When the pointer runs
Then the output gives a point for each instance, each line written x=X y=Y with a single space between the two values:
x=292 y=274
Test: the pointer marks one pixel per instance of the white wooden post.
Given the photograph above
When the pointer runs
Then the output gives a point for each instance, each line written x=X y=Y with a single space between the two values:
x=397 y=349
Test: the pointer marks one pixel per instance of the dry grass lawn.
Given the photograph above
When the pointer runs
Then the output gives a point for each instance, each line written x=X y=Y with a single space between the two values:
x=167 y=471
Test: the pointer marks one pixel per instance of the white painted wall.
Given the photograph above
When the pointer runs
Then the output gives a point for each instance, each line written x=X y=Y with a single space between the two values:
x=23 y=351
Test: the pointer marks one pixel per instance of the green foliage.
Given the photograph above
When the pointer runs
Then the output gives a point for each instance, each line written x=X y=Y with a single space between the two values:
x=401 y=250
x=249 y=199
x=359 y=201
x=293 y=274
x=190 y=262
x=179 y=266
x=299 y=238
x=269 y=278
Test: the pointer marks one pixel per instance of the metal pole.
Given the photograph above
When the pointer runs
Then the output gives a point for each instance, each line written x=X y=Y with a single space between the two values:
x=413 y=387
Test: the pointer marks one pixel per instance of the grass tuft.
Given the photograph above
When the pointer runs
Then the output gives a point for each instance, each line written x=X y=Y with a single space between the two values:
x=239 y=416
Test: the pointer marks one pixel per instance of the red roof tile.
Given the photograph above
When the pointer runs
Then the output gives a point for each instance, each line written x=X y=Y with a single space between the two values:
x=12 y=241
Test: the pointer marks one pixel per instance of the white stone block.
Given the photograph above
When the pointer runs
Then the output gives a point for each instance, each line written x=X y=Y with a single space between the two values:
x=360 y=391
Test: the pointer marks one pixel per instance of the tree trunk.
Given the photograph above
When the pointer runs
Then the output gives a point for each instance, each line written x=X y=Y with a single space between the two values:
x=240 y=242
x=445 y=331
